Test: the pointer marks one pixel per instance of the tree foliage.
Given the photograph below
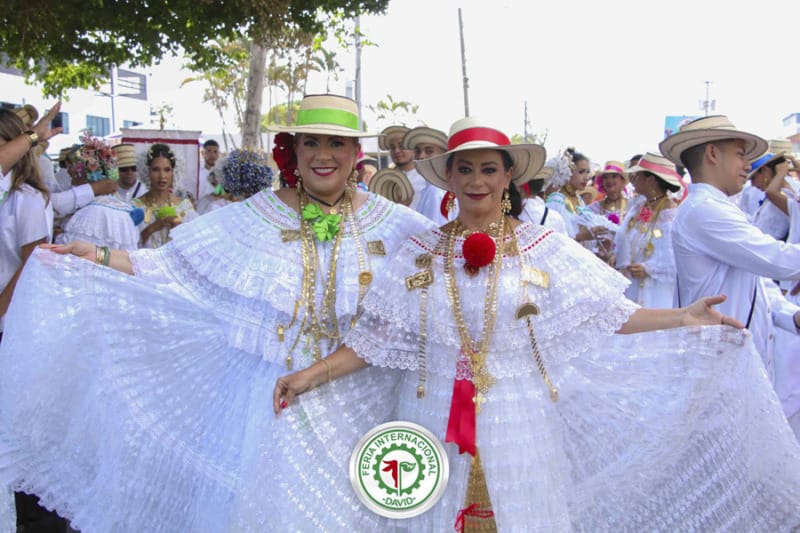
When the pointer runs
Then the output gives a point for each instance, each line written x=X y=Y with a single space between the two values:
x=70 y=45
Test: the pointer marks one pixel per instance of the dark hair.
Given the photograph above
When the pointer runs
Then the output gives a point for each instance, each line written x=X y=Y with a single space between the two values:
x=576 y=157
x=535 y=187
x=513 y=192
x=160 y=150
x=635 y=157
x=664 y=186
x=210 y=142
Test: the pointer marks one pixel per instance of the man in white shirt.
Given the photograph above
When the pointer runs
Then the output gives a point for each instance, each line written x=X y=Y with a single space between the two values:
x=426 y=143
x=208 y=182
x=129 y=185
x=717 y=250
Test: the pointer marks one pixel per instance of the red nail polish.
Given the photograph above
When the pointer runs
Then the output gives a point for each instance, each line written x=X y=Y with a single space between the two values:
x=284 y=405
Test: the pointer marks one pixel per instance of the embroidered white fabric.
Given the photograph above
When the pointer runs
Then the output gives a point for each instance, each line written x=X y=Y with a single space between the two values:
x=581 y=287
x=220 y=258
x=656 y=290
x=106 y=221
x=675 y=430
x=136 y=410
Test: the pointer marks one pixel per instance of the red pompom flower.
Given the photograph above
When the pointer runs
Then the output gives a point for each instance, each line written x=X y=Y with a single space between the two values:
x=285 y=157
x=479 y=250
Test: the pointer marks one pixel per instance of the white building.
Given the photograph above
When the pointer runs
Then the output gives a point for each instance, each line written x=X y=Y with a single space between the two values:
x=121 y=104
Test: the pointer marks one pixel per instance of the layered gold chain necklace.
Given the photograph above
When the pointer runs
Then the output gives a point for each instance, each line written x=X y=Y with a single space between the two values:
x=476 y=352
x=323 y=324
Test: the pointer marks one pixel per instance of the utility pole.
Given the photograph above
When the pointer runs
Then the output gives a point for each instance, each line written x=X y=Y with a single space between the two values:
x=463 y=65
x=525 y=137
x=707 y=104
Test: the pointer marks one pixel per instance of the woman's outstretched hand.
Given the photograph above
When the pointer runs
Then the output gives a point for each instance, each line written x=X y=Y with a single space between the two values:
x=82 y=249
x=702 y=313
x=288 y=387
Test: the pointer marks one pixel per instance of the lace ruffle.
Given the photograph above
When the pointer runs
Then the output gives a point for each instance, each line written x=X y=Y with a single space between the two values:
x=104 y=222
x=584 y=302
x=234 y=261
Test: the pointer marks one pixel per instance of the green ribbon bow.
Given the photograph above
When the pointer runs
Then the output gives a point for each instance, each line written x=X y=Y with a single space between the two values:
x=325 y=226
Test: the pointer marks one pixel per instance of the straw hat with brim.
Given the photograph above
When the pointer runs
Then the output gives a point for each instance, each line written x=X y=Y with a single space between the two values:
x=708 y=129
x=473 y=134
x=126 y=155
x=326 y=114
x=590 y=189
x=659 y=166
x=780 y=146
x=392 y=184
x=27 y=113
x=613 y=167
x=763 y=161
x=391 y=131
x=545 y=174
x=425 y=135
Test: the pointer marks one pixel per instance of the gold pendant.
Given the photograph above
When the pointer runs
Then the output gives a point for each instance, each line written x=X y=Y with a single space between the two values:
x=527 y=309
x=479 y=399
x=365 y=278
x=423 y=261
x=649 y=249
x=657 y=233
x=376 y=248
x=419 y=280
x=334 y=211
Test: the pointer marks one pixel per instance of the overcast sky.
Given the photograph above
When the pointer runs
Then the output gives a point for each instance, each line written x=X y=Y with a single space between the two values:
x=600 y=76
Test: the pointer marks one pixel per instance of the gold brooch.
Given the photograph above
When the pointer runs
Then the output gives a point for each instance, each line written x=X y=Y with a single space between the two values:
x=537 y=277
x=424 y=261
x=376 y=248
x=288 y=235
x=419 y=280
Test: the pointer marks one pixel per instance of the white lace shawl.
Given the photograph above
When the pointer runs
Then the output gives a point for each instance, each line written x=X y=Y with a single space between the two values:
x=583 y=304
x=234 y=261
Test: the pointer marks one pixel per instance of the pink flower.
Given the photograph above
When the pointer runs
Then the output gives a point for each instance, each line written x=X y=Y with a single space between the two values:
x=645 y=214
x=613 y=217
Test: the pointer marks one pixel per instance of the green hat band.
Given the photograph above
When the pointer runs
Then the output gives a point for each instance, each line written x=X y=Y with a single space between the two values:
x=336 y=117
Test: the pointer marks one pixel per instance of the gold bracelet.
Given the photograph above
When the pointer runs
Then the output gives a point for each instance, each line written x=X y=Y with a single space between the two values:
x=328 y=365
x=97 y=257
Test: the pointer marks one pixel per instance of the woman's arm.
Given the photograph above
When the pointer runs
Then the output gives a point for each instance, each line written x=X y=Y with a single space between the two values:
x=157 y=225
x=700 y=313
x=340 y=363
x=8 y=290
x=118 y=259
x=13 y=150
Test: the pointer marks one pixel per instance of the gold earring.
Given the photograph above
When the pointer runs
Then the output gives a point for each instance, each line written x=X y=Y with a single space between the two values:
x=451 y=203
x=505 y=203
x=352 y=180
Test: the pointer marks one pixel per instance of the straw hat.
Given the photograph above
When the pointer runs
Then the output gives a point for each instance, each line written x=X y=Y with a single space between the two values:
x=780 y=146
x=392 y=184
x=383 y=140
x=763 y=161
x=126 y=155
x=545 y=174
x=591 y=189
x=326 y=114
x=658 y=165
x=708 y=129
x=28 y=114
x=425 y=135
x=473 y=134
x=613 y=167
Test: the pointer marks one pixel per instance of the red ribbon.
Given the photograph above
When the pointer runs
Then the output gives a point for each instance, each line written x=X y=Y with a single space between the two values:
x=443 y=205
x=477 y=134
x=461 y=424
x=472 y=510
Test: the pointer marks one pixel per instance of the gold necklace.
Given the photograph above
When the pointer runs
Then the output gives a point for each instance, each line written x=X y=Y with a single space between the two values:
x=476 y=353
x=317 y=326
